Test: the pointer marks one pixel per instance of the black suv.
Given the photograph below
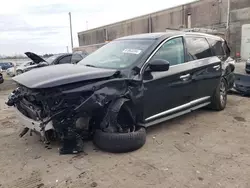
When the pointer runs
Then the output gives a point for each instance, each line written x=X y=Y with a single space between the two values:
x=125 y=86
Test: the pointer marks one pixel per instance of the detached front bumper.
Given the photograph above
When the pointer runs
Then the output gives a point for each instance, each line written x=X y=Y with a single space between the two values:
x=36 y=126
x=242 y=84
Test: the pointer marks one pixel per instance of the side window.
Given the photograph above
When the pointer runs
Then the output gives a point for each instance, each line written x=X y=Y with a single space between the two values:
x=76 y=58
x=217 y=47
x=197 y=48
x=65 y=60
x=172 y=51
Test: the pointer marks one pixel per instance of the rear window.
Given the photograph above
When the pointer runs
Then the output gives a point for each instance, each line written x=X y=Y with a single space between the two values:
x=226 y=49
x=197 y=48
x=217 y=47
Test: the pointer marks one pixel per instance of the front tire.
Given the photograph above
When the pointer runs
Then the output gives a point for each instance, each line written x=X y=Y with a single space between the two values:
x=219 y=98
x=120 y=142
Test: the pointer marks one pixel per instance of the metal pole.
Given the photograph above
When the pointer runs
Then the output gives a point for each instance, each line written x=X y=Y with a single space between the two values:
x=71 y=36
x=228 y=13
x=227 y=34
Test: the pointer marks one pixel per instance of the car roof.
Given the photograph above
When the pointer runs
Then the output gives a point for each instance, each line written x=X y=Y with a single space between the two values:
x=203 y=35
x=152 y=36
x=61 y=54
x=155 y=36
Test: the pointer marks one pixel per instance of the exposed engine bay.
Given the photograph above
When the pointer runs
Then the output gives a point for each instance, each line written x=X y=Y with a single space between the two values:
x=73 y=112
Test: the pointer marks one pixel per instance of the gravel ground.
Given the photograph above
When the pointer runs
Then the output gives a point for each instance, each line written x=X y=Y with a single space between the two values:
x=200 y=149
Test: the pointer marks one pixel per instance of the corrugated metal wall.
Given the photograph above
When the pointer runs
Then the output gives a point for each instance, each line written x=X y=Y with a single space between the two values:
x=204 y=13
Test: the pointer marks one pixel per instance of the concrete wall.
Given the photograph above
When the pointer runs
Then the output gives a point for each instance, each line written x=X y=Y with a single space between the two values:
x=239 y=15
x=204 y=13
x=89 y=48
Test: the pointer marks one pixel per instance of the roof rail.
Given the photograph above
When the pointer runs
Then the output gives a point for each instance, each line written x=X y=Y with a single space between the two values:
x=202 y=30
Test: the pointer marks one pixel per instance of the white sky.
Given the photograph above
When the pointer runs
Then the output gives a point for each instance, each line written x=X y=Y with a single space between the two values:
x=42 y=26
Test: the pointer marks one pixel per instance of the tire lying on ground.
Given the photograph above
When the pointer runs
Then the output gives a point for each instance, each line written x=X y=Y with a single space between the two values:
x=120 y=142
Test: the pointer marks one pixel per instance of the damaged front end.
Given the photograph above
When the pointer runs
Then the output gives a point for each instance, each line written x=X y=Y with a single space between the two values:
x=73 y=112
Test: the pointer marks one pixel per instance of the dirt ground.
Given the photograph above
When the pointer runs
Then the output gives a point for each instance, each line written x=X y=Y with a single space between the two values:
x=201 y=149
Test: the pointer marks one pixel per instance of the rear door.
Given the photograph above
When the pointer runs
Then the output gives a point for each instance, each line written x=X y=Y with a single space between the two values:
x=222 y=51
x=206 y=70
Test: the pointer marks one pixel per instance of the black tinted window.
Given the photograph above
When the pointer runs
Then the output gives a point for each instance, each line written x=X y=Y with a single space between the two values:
x=172 y=51
x=64 y=60
x=226 y=49
x=197 y=48
x=76 y=58
x=216 y=46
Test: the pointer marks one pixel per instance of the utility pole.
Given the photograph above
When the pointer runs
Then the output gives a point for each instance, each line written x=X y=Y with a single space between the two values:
x=228 y=13
x=67 y=49
x=228 y=20
x=71 y=36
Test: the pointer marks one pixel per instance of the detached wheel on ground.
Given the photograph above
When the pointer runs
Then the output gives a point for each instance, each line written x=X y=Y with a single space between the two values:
x=120 y=142
x=219 y=98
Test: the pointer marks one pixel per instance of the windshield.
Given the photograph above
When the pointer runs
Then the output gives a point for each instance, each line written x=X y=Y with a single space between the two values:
x=117 y=54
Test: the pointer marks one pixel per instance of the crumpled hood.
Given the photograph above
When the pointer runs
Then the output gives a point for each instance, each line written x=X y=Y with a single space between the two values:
x=52 y=76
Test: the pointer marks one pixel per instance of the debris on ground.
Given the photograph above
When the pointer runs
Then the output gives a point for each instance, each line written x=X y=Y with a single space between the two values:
x=94 y=184
x=215 y=137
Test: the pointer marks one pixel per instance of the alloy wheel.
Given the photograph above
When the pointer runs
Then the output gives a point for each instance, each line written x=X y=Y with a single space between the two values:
x=223 y=93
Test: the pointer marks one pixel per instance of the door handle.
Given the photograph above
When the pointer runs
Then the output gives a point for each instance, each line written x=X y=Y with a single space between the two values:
x=217 y=67
x=185 y=77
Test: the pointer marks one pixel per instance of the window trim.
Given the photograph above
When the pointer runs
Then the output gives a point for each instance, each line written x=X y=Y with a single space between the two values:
x=145 y=64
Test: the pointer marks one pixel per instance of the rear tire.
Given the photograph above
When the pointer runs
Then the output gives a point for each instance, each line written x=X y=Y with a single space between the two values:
x=219 y=98
x=120 y=142
x=248 y=72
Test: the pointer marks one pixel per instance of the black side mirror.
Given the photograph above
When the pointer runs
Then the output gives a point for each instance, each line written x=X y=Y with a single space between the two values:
x=159 y=65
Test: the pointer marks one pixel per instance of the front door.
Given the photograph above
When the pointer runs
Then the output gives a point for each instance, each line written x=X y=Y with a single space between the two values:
x=166 y=91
